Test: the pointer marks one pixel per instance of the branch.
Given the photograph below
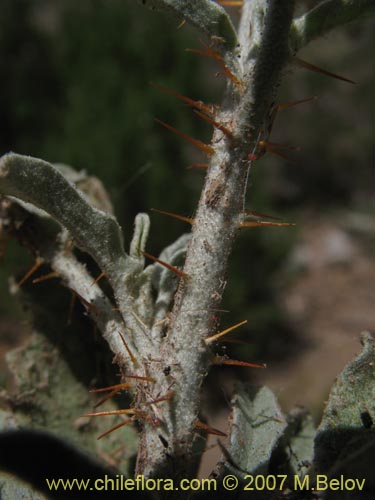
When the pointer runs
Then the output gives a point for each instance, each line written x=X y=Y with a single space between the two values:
x=327 y=16
x=215 y=227
x=33 y=231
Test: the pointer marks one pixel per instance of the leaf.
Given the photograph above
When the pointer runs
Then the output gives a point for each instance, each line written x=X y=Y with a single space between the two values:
x=346 y=435
x=207 y=16
x=257 y=425
x=40 y=183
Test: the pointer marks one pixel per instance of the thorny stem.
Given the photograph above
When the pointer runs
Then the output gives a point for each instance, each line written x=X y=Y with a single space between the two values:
x=177 y=360
x=264 y=51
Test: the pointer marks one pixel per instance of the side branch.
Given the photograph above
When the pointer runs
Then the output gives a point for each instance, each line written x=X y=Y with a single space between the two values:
x=40 y=183
x=327 y=16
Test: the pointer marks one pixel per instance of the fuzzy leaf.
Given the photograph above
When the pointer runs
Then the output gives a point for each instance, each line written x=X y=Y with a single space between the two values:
x=257 y=426
x=165 y=282
x=140 y=235
x=206 y=15
x=346 y=433
x=326 y=16
x=40 y=183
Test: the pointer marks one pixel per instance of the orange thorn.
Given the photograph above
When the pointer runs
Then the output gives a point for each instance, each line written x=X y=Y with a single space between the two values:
x=316 y=69
x=139 y=377
x=230 y=3
x=167 y=397
x=197 y=165
x=125 y=422
x=206 y=428
x=131 y=355
x=253 y=213
x=39 y=261
x=117 y=451
x=176 y=216
x=165 y=264
x=116 y=387
x=216 y=124
x=219 y=60
x=195 y=142
x=263 y=223
x=282 y=107
x=88 y=304
x=101 y=275
x=127 y=411
x=108 y=396
x=46 y=277
x=213 y=338
x=182 y=23
x=219 y=360
x=209 y=109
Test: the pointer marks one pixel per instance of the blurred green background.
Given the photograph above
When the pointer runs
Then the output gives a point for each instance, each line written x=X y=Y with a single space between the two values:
x=75 y=88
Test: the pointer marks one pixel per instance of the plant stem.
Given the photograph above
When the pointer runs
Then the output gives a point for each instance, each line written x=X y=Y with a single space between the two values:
x=264 y=31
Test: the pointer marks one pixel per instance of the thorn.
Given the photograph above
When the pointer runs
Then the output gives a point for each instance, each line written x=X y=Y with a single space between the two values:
x=213 y=338
x=167 y=397
x=127 y=411
x=195 y=142
x=176 y=216
x=175 y=270
x=197 y=165
x=118 y=451
x=206 y=428
x=138 y=319
x=125 y=422
x=88 y=304
x=131 y=355
x=311 y=67
x=39 y=261
x=219 y=360
x=219 y=60
x=216 y=124
x=182 y=23
x=209 y=109
x=46 y=277
x=139 y=377
x=253 y=213
x=108 y=396
x=282 y=107
x=230 y=3
x=274 y=147
x=117 y=387
x=101 y=275
x=263 y=223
